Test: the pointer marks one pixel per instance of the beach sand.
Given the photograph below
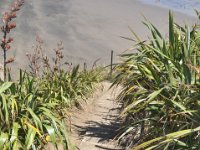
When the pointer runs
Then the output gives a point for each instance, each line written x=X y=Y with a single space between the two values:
x=89 y=29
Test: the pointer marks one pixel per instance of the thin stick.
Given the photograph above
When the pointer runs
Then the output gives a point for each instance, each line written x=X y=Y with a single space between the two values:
x=85 y=66
x=111 y=64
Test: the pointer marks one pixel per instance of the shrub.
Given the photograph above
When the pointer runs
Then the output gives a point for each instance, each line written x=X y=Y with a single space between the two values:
x=68 y=83
x=32 y=111
x=161 y=90
x=27 y=119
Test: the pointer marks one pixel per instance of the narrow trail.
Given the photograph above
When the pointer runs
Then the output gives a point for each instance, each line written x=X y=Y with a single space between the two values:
x=94 y=127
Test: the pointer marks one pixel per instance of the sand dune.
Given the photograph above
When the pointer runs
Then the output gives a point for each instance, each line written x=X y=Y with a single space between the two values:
x=89 y=29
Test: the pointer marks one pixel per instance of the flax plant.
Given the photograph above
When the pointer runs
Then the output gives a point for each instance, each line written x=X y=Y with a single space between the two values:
x=33 y=110
x=69 y=83
x=161 y=90
x=27 y=119
x=8 y=25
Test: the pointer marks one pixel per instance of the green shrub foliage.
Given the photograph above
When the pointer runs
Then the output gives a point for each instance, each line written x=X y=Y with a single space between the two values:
x=161 y=90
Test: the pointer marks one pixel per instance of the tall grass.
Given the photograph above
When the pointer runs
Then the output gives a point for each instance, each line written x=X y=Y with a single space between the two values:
x=33 y=111
x=161 y=90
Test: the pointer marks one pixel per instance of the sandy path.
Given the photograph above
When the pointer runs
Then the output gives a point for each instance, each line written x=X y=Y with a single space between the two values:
x=95 y=127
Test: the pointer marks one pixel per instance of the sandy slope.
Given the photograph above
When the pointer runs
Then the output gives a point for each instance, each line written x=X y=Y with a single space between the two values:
x=88 y=28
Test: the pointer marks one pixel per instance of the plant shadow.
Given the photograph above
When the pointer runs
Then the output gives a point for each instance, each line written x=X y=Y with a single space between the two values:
x=104 y=132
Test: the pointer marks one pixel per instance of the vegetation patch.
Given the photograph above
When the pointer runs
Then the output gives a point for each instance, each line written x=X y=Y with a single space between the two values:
x=33 y=109
x=161 y=90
